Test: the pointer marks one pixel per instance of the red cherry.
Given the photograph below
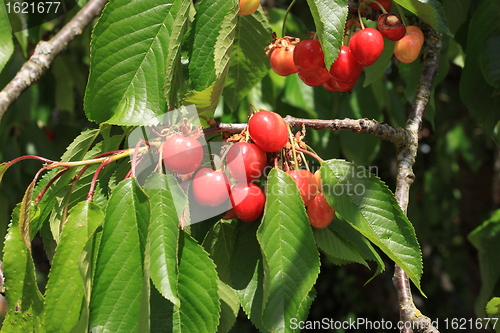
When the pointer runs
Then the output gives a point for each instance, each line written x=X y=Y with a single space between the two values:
x=320 y=213
x=210 y=188
x=248 y=7
x=268 y=130
x=346 y=68
x=306 y=183
x=391 y=27
x=246 y=161
x=229 y=215
x=344 y=86
x=281 y=60
x=385 y=3
x=414 y=30
x=182 y=154
x=330 y=85
x=314 y=78
x=407 y=48
x=308 y=55
x=248 y=201
x=366 y=46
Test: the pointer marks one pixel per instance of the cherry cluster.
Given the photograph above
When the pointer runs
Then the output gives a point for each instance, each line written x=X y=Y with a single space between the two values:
x=289 y=55
x=243 y=165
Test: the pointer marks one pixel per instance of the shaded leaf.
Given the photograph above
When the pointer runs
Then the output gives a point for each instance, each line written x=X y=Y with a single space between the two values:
x=291 y=261
x=248 y=63
x=431 y=11
x=230 y=305
x=364 y=201
x=490 y=64
x=198 y=289
x=6 y=43
x=65 y=286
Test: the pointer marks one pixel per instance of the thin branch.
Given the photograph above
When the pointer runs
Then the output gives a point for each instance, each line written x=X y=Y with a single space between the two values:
x=405 y=160
x=396 y=135
x=45 y=52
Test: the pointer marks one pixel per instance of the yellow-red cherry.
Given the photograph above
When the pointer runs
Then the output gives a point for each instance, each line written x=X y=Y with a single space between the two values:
x=308 y=55
x=407 y=48
x=268 y=130
x=246 y=161
x=366 y=46
x=210 y=188
x=182 y=154
x=281 y=60
x=248 y=201
x=306 y=183
x=320 y=213
x=248 y=7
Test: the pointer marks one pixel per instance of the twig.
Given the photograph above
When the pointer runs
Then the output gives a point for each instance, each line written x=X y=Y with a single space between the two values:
x=405 y=160
x=45 y=52
x=396 y=135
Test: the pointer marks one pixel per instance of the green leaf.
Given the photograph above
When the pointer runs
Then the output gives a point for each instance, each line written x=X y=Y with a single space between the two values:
x=119 y=274
x=480 y=97
x=65 y=286
x=248 y=63
x=298 y=94
x=490 y=64
x=127 y=71
x=431 y=11
x=24 y=300
x=74 y=152
x=329 y=17
x=6 y=43
x=493 y=311
x=230 y=305
x=219 y=243
x=198 y=289
x=334 y=245
x=176 y=24
x=364 y=201
x=161 y=313
x=291 y=261
x=163 y=234
x=486 y=238
x=247 y=272
x=377 y=69
x=206 y=101
x=214 y=28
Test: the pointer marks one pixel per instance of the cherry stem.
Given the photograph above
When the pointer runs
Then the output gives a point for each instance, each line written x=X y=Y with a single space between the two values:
x=283 y=28
x=310 y=154
x=360 y=18
x=294 y=153
x=106 y=162
x=46 y=187
x=402 y=15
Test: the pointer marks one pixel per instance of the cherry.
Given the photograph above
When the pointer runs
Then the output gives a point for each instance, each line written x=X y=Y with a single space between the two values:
x=306 y=183
x=314 y=78
x=248 y=7
x=366 y=46
x=414 y=30
x=346 y=68
x=248 y=201
x=229 y=215
x=246 y=161
x=407 y=48
x=281 y=60
x=330 y=85
x=391 y=27
x=337 y=86
x=308 y=55
x=320 y=213
x=268 y=130
x=210 y=188
x=385 y=3
x=182 y=154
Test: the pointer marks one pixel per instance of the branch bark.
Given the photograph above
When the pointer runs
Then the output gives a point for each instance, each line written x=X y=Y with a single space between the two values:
x=405 y=159
x=45 y=52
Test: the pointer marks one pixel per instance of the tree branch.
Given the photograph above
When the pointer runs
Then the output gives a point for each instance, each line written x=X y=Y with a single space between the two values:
x=405 y=160
x=45 y=52
x=396 y=135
